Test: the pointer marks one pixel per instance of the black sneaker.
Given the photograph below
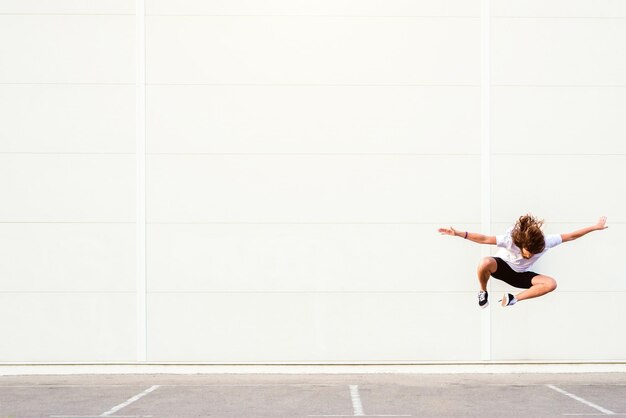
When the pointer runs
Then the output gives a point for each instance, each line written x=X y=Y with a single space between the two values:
x=508 y=300
x=483 y=299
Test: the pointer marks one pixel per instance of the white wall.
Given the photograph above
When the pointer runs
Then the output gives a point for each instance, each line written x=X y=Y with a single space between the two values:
x=558 y=105
x=298 y=154
x=299 y=159
x=67 y=181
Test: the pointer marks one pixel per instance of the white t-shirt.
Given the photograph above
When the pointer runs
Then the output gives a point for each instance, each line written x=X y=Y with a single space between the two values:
x=510 y=253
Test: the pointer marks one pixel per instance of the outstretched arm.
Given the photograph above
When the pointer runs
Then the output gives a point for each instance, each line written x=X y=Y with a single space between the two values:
x=472 y=236
x=600 y=225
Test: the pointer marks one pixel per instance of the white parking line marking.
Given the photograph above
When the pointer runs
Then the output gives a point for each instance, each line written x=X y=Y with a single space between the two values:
x=356 y=401
x=581 y=400
x=357 y=406
x=128 y=402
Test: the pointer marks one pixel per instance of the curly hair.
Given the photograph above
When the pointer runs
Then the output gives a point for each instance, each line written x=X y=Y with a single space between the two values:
x=527 y=234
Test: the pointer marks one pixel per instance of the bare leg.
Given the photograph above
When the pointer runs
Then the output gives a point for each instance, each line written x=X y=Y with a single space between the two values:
x=540 y=286
x=487 y=266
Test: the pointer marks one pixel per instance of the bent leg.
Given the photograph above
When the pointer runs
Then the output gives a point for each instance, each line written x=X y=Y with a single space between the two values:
x=487 y=266
x=540 y=286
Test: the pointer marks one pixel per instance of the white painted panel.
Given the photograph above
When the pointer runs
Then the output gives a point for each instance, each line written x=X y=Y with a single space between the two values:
x=67 y=327
x=569 y=189
x=313 y=119
x=321 y=7
x=558 y=120
x=312 y=50
x=67 y=257
x=368 y=258
x=67 y=49
x=558 y=51
x=561 y=8
x=67 y=188
x=67 y=118
x=312 y=188
x=68 y=6
x=590 y=264
x=561 y=326
x=294 y=327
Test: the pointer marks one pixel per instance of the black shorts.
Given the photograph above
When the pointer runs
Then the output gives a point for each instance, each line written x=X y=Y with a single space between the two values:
x=505 y=273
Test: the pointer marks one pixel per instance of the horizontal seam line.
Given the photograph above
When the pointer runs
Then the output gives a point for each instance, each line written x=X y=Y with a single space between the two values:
x=61 y=83
x=319 y=15
x=269 y=84
x=314 y=84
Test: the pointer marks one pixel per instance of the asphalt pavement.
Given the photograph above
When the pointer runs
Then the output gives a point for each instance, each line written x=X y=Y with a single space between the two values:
x=373 y=395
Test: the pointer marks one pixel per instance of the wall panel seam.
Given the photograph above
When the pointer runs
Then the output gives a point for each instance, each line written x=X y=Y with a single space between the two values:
x=485 y=161
x=140 y=101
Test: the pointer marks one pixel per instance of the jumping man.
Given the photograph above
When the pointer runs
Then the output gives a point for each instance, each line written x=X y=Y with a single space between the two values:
x=519 y=247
